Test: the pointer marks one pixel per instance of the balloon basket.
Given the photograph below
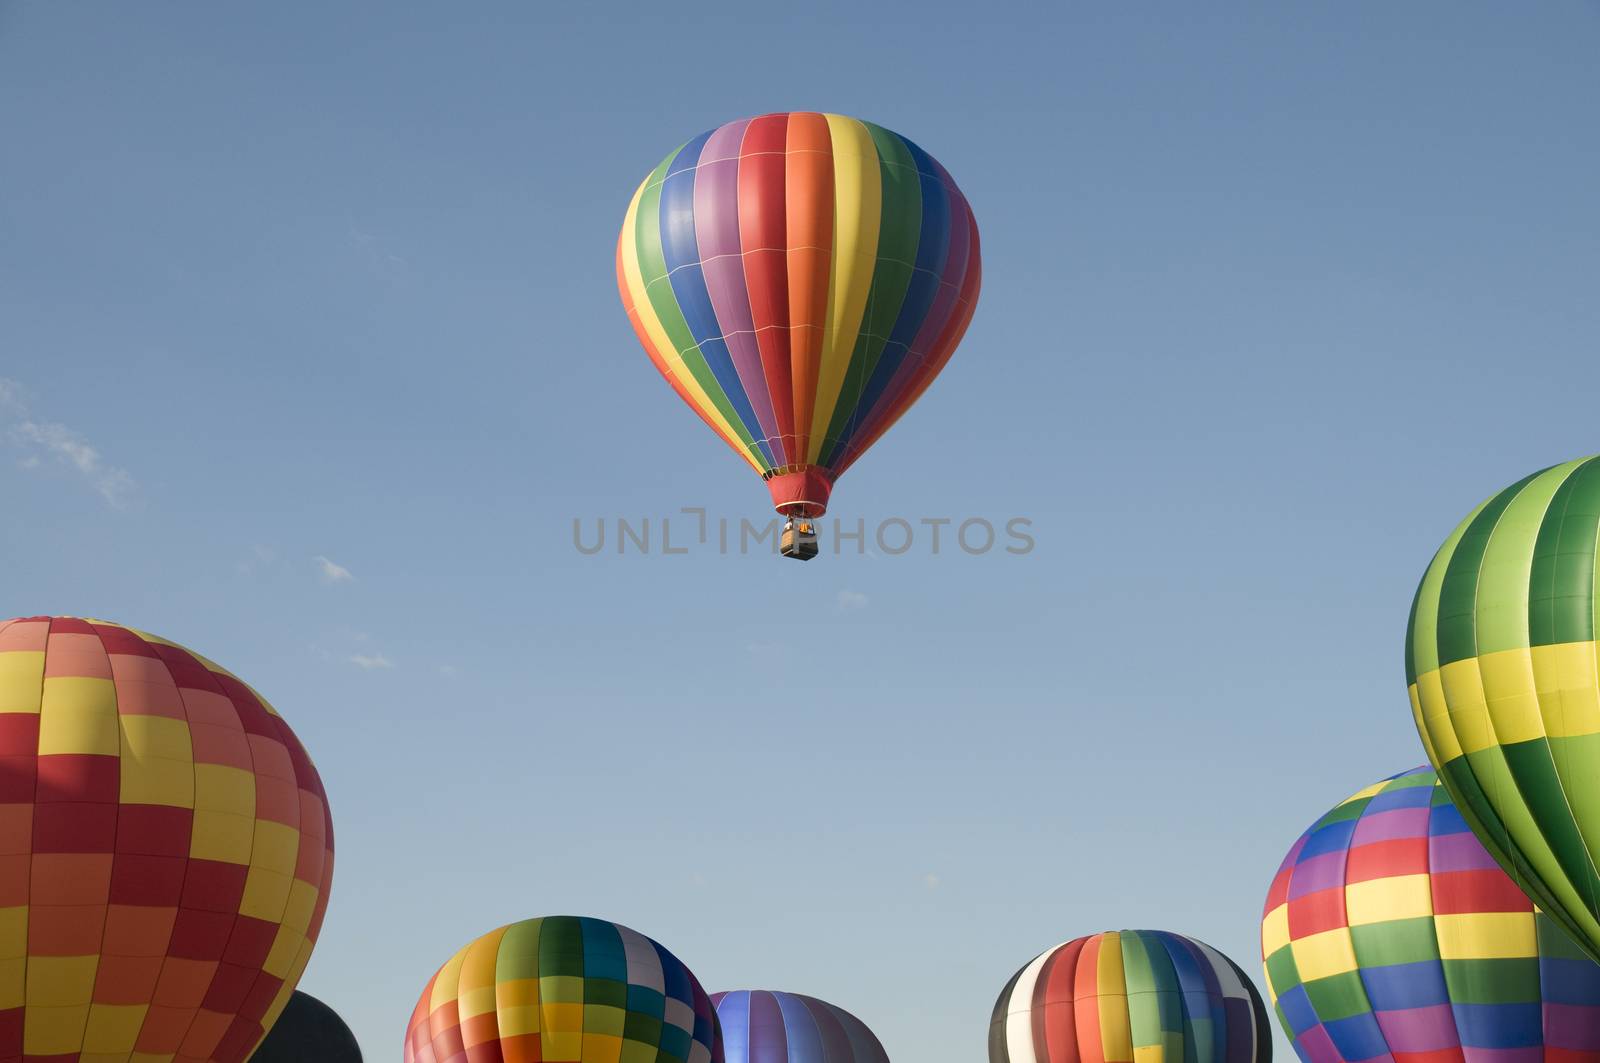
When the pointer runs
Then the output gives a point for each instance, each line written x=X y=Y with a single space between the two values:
x=799 y=539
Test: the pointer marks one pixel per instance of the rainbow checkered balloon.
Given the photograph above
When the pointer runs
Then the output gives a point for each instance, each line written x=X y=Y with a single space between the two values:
x=1390 y=934
x=165 y=850
x=563 y=989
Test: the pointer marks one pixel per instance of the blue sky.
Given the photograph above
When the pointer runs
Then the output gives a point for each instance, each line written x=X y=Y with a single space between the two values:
x=1273 y=295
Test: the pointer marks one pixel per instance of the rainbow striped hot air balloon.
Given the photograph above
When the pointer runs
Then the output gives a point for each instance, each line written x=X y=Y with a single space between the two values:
x=165 y=850
x=1390 y=934
x=563 y=989
x=799 y=279
x=759 y=1026
x=1134 y=996
x=1502 y=667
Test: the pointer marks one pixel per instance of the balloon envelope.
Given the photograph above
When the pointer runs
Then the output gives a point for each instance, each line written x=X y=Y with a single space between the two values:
x=1501 y=664
x=167 y=849
x=759 y=1025
x=799 y=279
x=1131 y=995
x=308 y=1031
x=1389 y=933
x=564 y=989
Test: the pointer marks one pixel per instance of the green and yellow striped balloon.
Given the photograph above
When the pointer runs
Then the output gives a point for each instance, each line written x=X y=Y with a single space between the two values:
x=1502 y=666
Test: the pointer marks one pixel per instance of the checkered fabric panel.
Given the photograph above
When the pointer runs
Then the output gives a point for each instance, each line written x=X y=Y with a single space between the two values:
x=165 y=850
x=1389 y=933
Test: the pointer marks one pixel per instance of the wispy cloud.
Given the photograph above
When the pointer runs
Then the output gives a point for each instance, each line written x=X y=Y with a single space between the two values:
x=40 y=440
x=370 y=662
x=332 y=571
x=849 y=601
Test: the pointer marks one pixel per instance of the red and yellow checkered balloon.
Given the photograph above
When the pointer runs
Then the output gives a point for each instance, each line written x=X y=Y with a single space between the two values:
x=165 y=850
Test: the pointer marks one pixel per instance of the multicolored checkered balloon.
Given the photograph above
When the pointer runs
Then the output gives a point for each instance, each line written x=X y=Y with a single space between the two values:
x=760 y=1026
x=564 y=989
x=1390 y=934
x=165 y=850
x=1130 y=996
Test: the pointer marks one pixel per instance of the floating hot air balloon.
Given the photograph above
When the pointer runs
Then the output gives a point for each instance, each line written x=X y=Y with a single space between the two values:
x=564 y=989
x=165 y=850
x=1501 y=662
x=759 y=1026
x=1134 y=996
x=799 y=279
x=1389 y=933
x=308 y=1031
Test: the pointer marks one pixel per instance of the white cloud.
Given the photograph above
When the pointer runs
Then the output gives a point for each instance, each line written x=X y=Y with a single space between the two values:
x=852 y=600
x=449 y=670
x=332 y=572
x=376 y=660
x=40 y=439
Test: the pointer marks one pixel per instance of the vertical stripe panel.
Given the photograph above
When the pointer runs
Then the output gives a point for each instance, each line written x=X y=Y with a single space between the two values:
x=734 y=1011
x=922 y=287
x=658 y=288
x=1019 y=1022
x=1116 y=1034
x=1230 y=988
x=899 y=229
x=1086 y=1002
x=1060 y=1020
x=1422 y=646
x=998 y=1021
x=802 y=1033
x=1561 y=596
x=839 y=1037
x=443 y=1025
x=764 y=240
x=1036 y=1006
x=680 y=251
x=769 y=1042
x=715 y=214
x=920 y=363
x=940 y=352
x=653 y=338
x=858 y=208
x=1500 y=607
x=808 y=181
x=1458 y=594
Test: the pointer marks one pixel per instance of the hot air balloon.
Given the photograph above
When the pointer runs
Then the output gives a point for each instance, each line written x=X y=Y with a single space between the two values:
x=799 y=279
x=1389 y=933
x=1501 y=663
x=167 y=850
x=564 y=989
x=308 y=1031
x=760 y=1026
x=1131 y=996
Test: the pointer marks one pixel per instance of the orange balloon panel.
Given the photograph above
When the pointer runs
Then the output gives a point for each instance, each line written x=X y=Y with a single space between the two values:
x=165 y=850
